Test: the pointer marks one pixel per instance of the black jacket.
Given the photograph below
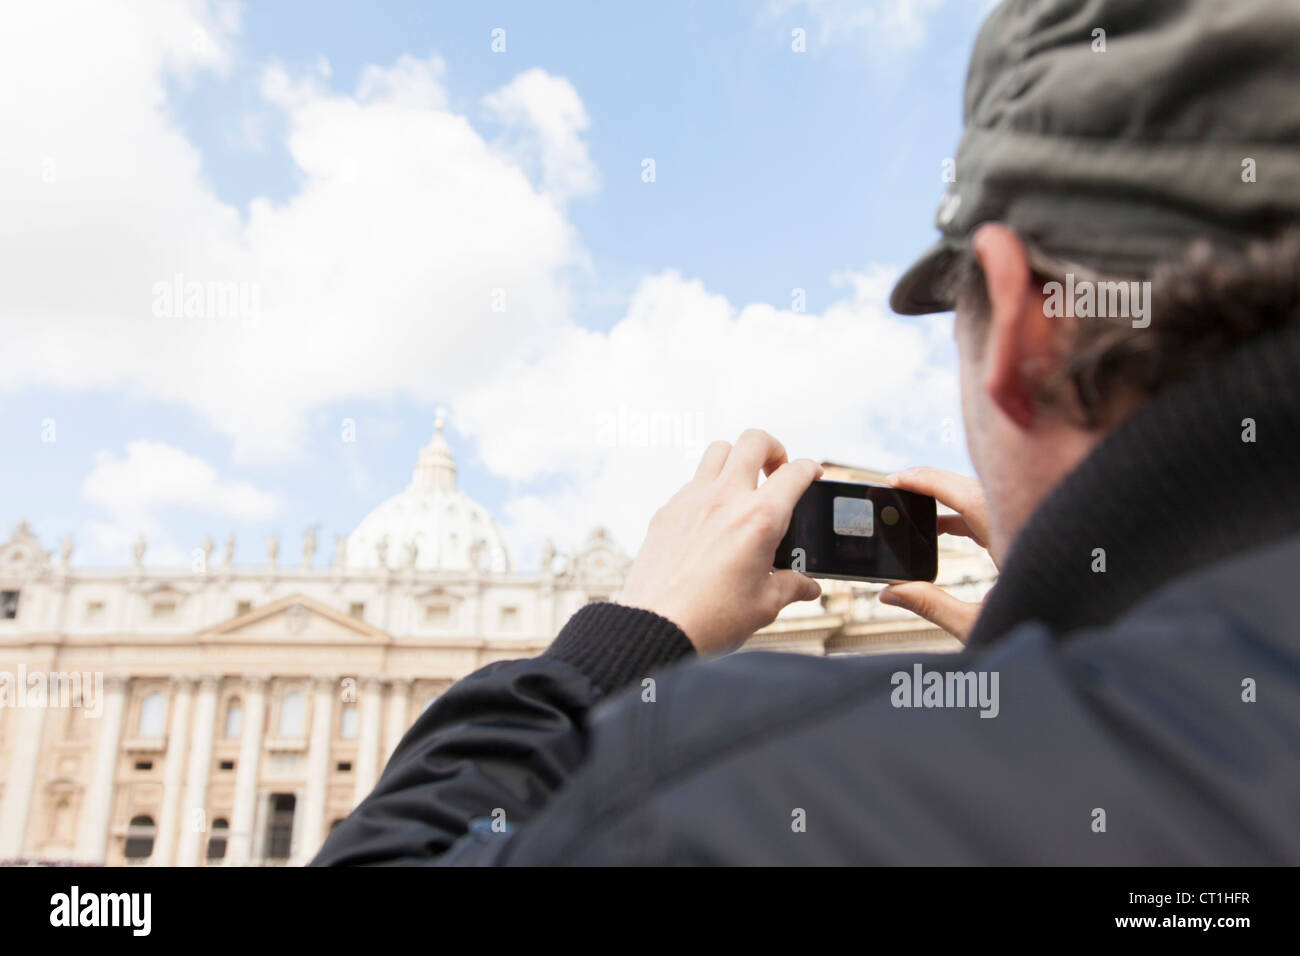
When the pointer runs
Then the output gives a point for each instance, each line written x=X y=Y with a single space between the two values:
x=1161 y=696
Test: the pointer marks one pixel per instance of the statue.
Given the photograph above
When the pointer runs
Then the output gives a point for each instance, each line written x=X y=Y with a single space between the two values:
x=476 y=554
x=412 y=553
x=138 y=551
x=308 y=547
x=207 y=551
x=230 y=552
x=381 y=549
x=340 y=559
x=272 y=549
x=65 y=552
x=548 y=556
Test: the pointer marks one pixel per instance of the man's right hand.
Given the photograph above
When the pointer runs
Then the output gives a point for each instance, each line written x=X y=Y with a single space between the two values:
x=706 y=563
x=965 y=496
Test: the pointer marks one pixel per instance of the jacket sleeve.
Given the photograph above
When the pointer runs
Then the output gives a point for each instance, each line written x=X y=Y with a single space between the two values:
x=488 y=754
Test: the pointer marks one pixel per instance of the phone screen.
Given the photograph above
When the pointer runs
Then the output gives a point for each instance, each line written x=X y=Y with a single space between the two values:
x=861 y=532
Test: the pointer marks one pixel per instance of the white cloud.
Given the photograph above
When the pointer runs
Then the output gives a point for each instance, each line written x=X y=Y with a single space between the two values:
x=549 y=116
x=378 y=276
x=137 y=489
x=618 y=420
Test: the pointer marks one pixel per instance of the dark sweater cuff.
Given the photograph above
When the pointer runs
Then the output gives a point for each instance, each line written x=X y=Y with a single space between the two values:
x=614 y=645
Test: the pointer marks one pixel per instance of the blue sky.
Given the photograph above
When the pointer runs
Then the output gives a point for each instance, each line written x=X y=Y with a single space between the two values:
x=774 y=170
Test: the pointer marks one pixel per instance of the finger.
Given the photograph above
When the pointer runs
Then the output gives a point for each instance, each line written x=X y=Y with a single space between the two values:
x=755 y=451
x=959 y=492
x=790 y=586
x=935 y=605
x=789 y=482
x=956 y=524
x=715 y=456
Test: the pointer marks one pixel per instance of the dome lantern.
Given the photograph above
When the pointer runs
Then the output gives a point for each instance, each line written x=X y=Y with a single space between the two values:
x=436 y=467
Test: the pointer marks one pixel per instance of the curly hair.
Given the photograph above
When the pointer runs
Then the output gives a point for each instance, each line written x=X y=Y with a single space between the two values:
x=1202 y=306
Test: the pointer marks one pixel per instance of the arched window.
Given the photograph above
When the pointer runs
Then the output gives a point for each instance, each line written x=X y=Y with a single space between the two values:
x=217 y=841
x=293 y=716
x=234 y=718
x=153 y=716
x=139 y=838
x=348 y=722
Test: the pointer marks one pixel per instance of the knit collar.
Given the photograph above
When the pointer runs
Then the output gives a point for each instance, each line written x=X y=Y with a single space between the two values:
x=1173 y=488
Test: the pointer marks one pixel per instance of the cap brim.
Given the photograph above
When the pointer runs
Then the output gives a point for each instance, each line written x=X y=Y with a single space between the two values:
x=924 y=288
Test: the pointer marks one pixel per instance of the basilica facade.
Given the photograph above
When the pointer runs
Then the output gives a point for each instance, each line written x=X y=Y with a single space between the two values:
x=230 y=715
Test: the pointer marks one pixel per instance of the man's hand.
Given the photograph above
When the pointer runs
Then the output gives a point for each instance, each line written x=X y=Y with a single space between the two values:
x=966 y=497
x=706 y=563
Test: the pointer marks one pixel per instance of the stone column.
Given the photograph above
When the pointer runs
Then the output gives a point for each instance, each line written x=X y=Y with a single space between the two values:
x=368 y=747
x=242 y=817
x=399 y=705
x=26 y=733
x=97 y=807
x=312 y=832
x=195 y=824
x=174 y=774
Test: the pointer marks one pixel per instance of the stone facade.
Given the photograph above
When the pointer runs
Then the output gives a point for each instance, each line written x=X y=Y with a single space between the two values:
x=224 y=715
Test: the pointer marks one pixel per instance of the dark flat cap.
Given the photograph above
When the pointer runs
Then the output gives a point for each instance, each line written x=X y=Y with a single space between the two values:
x=1114 y=133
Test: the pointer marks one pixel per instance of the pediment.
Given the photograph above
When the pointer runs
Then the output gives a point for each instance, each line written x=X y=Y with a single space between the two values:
x=296 y=618
x=22 y=553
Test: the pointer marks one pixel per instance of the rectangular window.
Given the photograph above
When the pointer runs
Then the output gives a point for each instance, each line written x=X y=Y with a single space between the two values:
x=437 y=614
x=162 y=610
x=357 y=609
x=509 y=618
x=279 y=827
x=349 y=722
x=94 y=612
x=242 y=608
x=8 y=605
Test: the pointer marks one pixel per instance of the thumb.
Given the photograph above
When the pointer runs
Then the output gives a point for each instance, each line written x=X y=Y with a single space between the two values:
x=791 y=586
x=934 y=604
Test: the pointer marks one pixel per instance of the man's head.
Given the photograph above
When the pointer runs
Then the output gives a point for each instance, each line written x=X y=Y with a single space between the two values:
x=1126 y=187
x=1040 y=389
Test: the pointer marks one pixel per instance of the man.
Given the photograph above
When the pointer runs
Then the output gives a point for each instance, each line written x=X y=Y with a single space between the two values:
x=1139 y=469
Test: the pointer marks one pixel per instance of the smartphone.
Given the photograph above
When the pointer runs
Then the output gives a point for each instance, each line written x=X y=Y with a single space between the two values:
x=859 y=532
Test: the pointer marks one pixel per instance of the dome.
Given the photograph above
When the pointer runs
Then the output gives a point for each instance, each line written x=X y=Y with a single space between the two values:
x=432 y=520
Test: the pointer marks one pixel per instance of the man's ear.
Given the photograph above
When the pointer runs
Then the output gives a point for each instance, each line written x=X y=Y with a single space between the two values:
x=1019 y=339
